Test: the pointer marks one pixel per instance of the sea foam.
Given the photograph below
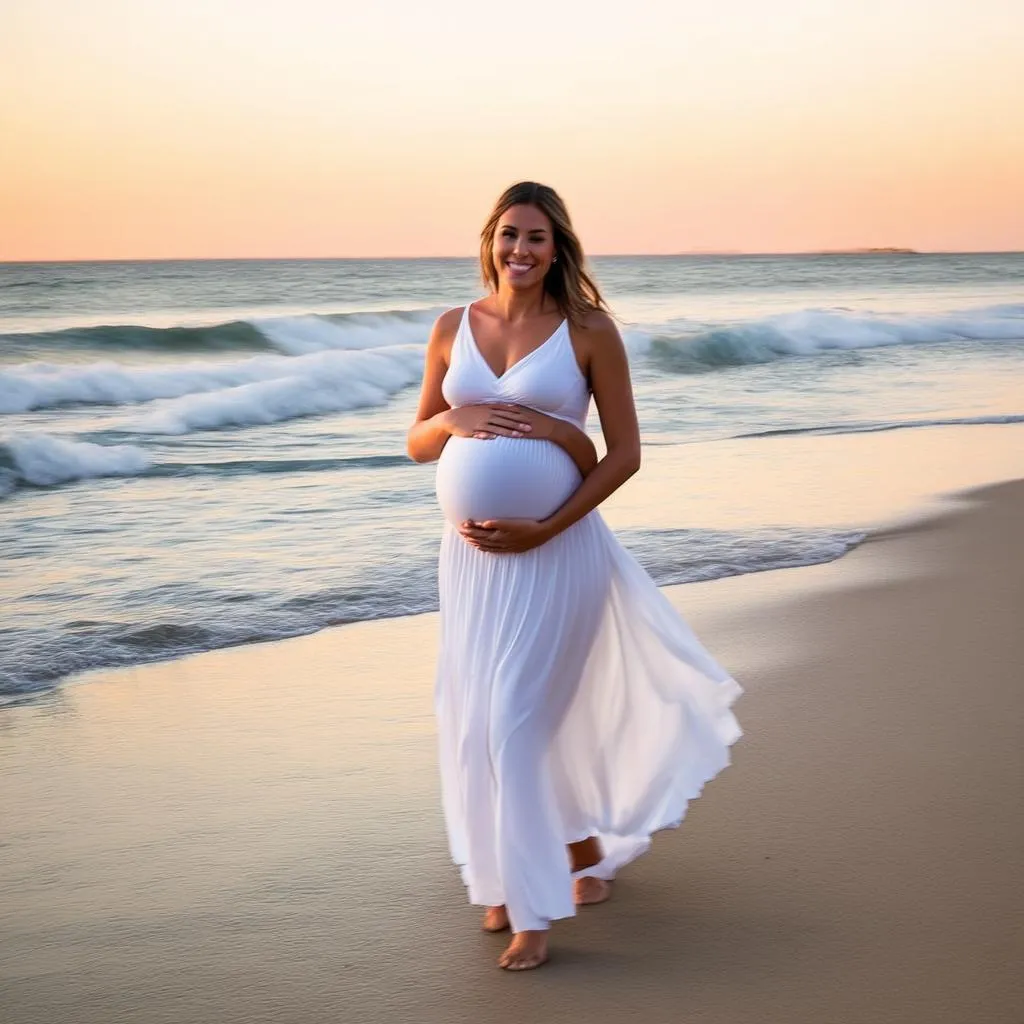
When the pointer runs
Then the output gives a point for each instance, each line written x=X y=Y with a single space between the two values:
x=345 y=361
x=289 y=334
x=43 y=460
x=809 y=332
x=299 y=335
x=315 y=384
x=360 y=375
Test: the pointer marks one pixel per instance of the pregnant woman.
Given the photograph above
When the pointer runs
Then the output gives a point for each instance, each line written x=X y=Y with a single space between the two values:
x=577 y=712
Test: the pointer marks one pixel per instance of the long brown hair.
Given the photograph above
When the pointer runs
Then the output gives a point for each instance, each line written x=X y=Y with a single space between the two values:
x=567 y=280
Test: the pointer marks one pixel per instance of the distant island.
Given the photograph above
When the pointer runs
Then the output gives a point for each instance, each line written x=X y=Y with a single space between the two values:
x=881 y=250
x=886 y=249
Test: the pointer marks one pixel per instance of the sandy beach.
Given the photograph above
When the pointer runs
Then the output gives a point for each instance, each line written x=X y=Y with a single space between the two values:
x=291 y=293
x=254 y=834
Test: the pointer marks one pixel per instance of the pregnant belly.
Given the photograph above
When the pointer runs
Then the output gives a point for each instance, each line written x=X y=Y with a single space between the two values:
x=503 y=478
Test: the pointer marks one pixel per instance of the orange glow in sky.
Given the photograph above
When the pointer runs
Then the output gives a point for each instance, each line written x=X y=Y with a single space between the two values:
x=232 y=128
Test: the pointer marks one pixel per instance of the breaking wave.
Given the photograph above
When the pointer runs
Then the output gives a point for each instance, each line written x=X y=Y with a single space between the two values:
x=288 y=334
x=260 y=389
x=42 y=460
x=812 y=332
x=35 y=459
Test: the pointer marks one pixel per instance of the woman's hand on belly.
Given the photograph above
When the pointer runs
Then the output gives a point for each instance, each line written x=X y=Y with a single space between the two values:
x=484 y=422
x=542 y=427
x=505 y=536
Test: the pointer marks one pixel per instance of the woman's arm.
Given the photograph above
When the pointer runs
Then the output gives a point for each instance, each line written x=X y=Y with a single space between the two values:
x=435 y=420
x=542 y=427
x=576 y=443
x=427 y=435
x=613 y=393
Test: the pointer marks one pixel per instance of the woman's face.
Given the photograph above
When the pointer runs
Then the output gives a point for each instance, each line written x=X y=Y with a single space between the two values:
x=524 y=246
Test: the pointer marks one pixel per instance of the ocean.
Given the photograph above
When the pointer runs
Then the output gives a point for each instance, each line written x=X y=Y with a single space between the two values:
x=196 y=454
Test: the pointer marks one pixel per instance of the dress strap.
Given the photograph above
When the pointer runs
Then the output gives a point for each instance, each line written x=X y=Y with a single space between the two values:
x=459 y=344
x=465 y=327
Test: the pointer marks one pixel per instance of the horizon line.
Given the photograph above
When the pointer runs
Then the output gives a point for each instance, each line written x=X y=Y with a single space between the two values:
x=712 y=253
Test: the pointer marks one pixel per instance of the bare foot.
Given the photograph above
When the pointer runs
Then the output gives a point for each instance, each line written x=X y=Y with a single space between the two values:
x=588 y=890
x=526 y=951
x=495 y=919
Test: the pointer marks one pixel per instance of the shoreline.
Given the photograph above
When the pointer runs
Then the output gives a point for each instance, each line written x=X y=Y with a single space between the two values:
x=253 y=833
x=842 y=485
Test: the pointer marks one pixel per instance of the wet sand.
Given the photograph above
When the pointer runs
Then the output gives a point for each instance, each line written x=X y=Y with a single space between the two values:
x=254 y=834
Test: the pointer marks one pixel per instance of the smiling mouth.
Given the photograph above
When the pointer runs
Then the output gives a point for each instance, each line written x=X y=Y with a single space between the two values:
x=519 y=268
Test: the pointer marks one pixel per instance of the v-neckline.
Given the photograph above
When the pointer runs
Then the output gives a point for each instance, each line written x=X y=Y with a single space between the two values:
x=518 y=362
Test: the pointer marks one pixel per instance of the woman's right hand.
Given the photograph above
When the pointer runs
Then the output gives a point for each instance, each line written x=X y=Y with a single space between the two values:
x=483 y=421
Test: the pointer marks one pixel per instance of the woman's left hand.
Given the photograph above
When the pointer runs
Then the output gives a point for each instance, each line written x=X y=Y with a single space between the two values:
x=505 y=536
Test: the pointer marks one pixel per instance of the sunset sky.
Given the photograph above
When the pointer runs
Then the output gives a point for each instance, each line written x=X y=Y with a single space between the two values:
x=246 y=128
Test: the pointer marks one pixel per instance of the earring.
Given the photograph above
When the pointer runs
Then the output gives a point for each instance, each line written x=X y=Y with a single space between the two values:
x=554 y=259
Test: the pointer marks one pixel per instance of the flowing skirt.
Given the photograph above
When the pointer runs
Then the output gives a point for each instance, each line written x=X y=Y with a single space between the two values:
x=573 y=700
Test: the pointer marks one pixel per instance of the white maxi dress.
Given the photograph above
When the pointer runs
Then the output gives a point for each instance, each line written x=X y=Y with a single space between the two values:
x=572 y=699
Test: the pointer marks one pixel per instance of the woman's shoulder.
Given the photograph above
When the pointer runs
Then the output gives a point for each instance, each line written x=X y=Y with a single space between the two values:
x=595 y=337
x=446 y=326
x=598 y=322
x=596 y=330
x=449 y=320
